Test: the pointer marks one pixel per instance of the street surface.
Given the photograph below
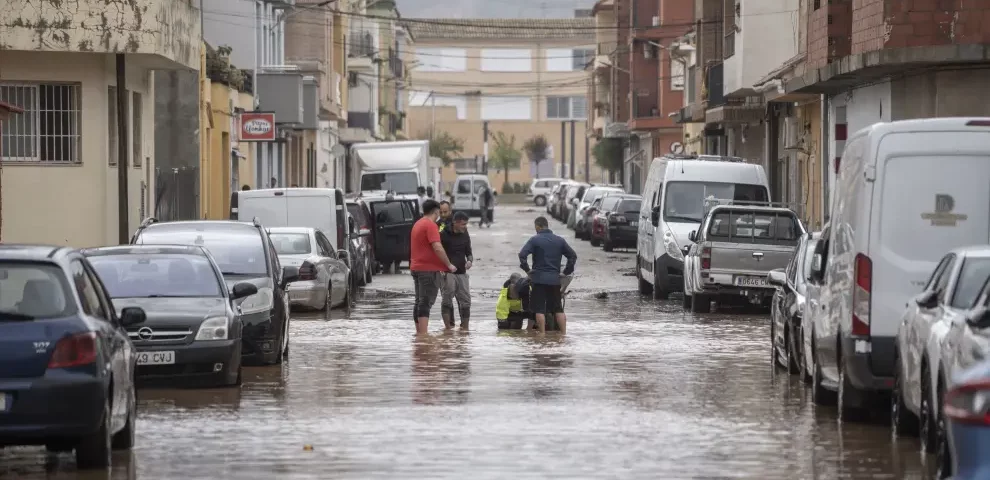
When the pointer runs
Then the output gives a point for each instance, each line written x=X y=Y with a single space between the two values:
x=637 y=389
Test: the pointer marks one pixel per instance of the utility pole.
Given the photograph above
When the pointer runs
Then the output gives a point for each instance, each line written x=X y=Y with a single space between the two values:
x=563 y=148
x=484 y=160
x=573 y=153
x=587 y=160
x=123 y=232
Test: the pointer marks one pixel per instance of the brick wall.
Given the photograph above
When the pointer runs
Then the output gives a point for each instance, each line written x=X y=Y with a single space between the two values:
x=868 y=24
x=622 y=60
x=935 y=22
x=709 y=42
x=829 y=31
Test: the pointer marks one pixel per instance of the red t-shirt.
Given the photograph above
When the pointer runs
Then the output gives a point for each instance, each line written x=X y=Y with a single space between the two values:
x=422 y=258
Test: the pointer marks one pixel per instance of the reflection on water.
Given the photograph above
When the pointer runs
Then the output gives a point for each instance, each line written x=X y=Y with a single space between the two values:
x=637 y=389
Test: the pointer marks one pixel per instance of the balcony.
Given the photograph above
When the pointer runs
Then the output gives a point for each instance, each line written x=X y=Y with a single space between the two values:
x=360 y=50
x=169 y=39
x=282 y=93
x=714 y=95
x=361 y=120
x=605 y=53
x=647 y=115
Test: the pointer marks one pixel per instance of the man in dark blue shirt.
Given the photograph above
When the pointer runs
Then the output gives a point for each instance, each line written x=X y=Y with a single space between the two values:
x=547 y=249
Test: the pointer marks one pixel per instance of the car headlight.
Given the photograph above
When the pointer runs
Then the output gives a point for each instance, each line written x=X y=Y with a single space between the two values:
x=670 y=244
x=259 y=302
x=214 y=328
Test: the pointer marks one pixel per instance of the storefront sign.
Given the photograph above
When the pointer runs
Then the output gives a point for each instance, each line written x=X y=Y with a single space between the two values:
x=257 y=127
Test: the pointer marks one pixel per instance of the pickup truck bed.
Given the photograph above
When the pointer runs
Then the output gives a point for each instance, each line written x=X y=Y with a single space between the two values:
x=735 y=250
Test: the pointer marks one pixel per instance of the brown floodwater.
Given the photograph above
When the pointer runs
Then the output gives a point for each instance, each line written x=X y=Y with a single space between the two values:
x=637 y=389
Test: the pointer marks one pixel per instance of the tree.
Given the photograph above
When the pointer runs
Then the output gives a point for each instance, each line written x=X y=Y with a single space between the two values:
x=608 y=154
x=536 y=149
x=505 y=155
x=444 y=146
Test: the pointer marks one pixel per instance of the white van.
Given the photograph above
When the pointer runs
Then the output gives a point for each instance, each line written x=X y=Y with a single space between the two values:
x=906 y=193
x=467 y=189
x=673 y=206
x=321 y=208
x=539 y=190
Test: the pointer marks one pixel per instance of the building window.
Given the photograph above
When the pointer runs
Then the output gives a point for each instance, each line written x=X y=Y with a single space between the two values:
x=423 y=99
x=441 y=59
x=568 y=59
x=500 y=107
x=136 y=113
x=49 y=128
x=567 y=108
x=676 y=75
x=506 y=60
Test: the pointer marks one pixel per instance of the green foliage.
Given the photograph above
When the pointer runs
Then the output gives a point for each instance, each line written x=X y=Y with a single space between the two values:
x=504 y=156
x=536 y=149
x=508 y=188
x=219 y=69
x=608 y=154
x=444 y=146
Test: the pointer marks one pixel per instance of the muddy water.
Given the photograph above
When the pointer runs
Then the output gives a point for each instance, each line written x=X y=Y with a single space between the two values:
x=637 y=389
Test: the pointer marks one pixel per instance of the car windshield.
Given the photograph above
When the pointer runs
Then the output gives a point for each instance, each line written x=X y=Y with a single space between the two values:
x=140 y=275
x=741 y=226
x=685 y=201
x=594 y=194
x=237 y=250
x=630 y=205
x=972 y=276
x=402 y=183
x=291 y=243
x=804 y=264
x=33 y=290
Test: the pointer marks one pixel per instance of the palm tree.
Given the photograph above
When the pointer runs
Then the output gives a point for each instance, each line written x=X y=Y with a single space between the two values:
x=536 y=149
x=505 y=155
x=444 y=146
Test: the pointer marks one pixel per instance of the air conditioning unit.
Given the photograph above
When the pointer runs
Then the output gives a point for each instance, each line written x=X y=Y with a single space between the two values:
x=656 y=21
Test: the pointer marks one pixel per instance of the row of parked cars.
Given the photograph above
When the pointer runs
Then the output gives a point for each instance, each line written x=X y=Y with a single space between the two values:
x=888 y=307
x=604 y=215
x=186 y=303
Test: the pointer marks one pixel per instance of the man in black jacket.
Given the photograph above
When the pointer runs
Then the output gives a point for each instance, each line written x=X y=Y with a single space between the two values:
x=456 y=242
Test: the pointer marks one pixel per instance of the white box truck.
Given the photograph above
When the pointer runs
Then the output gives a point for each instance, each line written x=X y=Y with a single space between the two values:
x=399 y=167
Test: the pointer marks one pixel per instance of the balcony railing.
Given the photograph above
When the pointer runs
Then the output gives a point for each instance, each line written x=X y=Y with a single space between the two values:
x=363 y=120
x=645 y=108
x=360 y=44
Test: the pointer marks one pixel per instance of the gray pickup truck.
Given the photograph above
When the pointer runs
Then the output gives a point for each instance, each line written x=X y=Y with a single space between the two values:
x=734 y=249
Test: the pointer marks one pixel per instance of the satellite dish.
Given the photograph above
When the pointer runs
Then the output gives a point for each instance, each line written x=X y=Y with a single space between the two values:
x=338 y=150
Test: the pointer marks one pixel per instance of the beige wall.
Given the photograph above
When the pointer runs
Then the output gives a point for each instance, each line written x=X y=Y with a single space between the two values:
x=471 y=132
x=76 y=204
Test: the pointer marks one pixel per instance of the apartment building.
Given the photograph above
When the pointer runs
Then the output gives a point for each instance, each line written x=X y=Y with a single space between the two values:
x=517 y=77
x=86 y=106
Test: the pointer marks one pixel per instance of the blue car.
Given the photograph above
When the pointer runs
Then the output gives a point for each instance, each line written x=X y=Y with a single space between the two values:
x=967 y=414
x=66 y=362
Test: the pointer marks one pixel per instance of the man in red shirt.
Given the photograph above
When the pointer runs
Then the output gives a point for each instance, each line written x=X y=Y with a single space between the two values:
x=427 y=263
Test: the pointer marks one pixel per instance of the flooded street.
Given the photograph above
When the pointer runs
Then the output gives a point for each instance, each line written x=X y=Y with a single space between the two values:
x=637 y=389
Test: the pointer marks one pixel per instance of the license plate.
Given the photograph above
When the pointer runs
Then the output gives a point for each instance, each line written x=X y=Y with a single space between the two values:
x=750 y=281
x=634 y=224
x=156 y=358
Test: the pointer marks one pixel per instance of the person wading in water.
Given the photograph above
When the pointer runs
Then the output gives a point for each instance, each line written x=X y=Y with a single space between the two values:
x=456 y=242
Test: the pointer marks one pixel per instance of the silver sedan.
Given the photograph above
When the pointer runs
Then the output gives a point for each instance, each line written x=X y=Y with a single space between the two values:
x=323 y=274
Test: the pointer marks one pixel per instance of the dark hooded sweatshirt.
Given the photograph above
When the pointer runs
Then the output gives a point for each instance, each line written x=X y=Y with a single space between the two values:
x=458 y=248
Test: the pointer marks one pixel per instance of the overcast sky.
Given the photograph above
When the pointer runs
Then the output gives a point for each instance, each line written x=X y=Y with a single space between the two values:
x=491 y=8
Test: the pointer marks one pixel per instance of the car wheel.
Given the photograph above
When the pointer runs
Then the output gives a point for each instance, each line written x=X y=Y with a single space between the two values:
x=124 y=439
x=701 y=303
x=686 y=301
x=847 y=409
x=607 y=246
x=240 y=378
x=360 y=278
x=644 y=287
x=368 y=277
x=792 y=365
x=819 y=394
x=595 y=242
x=929 y=434
x=902 y=421
x=943 y=455
x=659 y=293
x=802 y=361
x=94 y=450
x=774 y=358
x=329 y=303
x=540 y=201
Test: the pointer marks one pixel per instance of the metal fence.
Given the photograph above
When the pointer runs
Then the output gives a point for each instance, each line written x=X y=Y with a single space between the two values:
x=177 y=194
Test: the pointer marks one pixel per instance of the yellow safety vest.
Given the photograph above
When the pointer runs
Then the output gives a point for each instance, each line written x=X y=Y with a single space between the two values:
x=506 y=305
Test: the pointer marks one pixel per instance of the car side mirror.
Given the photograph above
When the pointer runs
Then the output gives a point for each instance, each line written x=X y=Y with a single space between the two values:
x=777 y=277
x=655 y=216
x=344 y=256
x=980 y=318
x=132 y=316
x=927 y=299
x=693 y=236
x=243 y=290
x=816 y=267
x=364 y=232
x=289 y=275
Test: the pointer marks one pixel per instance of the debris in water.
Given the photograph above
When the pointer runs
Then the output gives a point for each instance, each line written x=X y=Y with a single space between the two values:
x=601 y=295
x=308 y=448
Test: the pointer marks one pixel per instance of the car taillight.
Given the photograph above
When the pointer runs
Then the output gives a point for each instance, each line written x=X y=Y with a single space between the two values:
x=74 y=351
x=706 y=258
x=307 y=271
x=863 y=272
x=969 y=403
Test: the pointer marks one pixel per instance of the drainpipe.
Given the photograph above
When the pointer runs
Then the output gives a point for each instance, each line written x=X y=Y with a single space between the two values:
x=122 y=228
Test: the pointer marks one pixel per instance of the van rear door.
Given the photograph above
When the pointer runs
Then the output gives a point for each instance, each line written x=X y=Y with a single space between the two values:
x=930 y=196
x=313 y=208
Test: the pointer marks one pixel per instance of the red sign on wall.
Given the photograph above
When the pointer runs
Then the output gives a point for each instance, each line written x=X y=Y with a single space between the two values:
x=257 y=127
